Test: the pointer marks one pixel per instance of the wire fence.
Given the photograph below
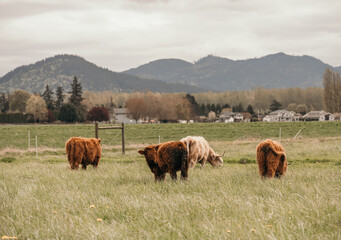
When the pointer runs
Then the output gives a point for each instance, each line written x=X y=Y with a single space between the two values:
x=55 y=136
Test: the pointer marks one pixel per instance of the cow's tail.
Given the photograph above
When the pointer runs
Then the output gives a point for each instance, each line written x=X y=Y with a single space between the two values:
x=271 y=147
x=68 y=149
x=184 y=164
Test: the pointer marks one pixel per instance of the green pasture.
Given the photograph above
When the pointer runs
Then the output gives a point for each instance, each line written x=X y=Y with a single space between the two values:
x=41 y=198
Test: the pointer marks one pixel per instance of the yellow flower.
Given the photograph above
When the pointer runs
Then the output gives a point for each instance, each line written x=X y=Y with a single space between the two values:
x=228 y=231
x=269 y=226
x=253 y=230
x=7 y=237
x=92 y=206
x=4 y=237
x=99 y=220
x=55 y=212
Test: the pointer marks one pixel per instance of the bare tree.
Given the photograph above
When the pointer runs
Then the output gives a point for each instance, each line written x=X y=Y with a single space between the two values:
x=37 y=107
x=136 y=107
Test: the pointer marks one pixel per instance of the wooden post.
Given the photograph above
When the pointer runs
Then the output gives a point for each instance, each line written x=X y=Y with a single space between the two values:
x=96 y=130
x=29 y=140
x=36 y=146
x=123 y=145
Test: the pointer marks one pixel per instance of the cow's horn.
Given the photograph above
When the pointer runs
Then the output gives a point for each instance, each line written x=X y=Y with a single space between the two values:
x=222 y=154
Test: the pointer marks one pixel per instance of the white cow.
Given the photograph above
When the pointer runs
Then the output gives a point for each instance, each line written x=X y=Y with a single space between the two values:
x=200 y=151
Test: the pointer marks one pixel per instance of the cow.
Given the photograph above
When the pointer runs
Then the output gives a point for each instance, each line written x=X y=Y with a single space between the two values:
x=83 y=151
x=271 y=159
x=200 y=151
x=168 y=157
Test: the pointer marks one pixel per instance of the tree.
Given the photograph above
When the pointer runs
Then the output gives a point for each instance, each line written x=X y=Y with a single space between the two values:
x=331 y=91
x=4 y=103
x=76 y=93
x=18 y=100
x=136 y=107
x=195 y=109
x=98 y=114
x=238 y=108
x=37 y=107
x=250 y=109
x=275 y=105
x=69 y=113
x=302 y=109
x=47 y=96
x=60 y=98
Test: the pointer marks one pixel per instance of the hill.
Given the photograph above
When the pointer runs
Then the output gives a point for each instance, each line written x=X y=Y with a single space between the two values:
x=60 y=70
x=221 y=74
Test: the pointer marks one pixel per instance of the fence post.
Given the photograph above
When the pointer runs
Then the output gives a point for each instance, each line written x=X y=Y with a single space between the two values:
x=36 y=147
x=96 y=130
x=123 y=144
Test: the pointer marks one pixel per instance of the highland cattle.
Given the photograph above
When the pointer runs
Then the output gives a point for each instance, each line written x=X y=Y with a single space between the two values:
x=271 y=159
x=199 y=151
x=84 y=151
x=168 y=157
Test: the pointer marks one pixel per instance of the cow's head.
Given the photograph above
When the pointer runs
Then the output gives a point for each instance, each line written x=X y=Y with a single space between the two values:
x=215 y=159
x=150 y=154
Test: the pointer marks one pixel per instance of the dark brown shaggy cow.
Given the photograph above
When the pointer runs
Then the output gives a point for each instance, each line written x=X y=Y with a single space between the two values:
x=168 y=157
x=200 y=151
x=271 y=158
x=83 y=151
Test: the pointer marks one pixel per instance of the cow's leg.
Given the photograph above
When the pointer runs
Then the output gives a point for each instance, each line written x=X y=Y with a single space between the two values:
x=160 y=177
x=173 y=175
x=272 y=163
x=184 y=174
x=75 y=166
x=95 y=162
x=84 y=166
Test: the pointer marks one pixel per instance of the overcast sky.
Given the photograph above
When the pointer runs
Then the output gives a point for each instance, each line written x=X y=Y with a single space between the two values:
x=122 y=34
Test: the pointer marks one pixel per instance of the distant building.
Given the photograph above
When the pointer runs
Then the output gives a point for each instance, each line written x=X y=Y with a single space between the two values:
x=282 y=116
x=121 y=115
x=229 y=117
x=319 y=116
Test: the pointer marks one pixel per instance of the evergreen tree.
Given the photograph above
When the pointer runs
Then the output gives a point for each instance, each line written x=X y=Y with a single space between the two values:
x=275 y=105
x=69 y=113
x=76 y=92
x=196 y=111
x=250 y=109
x=60 y=98
x=4 y=103
x=47 y=96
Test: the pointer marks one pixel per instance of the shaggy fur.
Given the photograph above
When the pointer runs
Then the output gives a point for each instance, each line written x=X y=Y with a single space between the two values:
x=200 y=151
x=83 y=151
x=168 y=157
x=271 y=158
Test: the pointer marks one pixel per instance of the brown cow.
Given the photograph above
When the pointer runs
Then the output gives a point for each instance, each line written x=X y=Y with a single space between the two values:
x=200 y=151
x=168 y=157
x=271 y=158
x=83 y=151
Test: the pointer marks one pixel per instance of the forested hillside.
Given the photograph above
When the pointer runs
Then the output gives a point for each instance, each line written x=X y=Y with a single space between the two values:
x=222 y=74
x=60 y=70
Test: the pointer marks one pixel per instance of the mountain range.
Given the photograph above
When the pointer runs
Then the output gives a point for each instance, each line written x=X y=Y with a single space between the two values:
x=60 y=70
x=210 y=73
x=221 y=74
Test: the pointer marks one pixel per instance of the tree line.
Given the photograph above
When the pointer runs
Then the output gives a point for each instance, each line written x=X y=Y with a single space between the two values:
x=94 y=106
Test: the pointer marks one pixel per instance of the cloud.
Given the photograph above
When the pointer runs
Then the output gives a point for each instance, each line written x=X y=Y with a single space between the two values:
x=122 y=34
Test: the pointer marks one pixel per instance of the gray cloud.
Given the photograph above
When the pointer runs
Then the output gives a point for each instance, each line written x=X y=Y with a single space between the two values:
x=123 y=34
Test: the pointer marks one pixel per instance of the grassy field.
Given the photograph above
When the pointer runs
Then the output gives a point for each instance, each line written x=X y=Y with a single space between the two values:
x=41 y=198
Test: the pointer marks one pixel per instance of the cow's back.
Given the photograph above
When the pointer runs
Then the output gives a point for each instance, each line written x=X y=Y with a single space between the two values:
x=198 y=149
x=170 y=155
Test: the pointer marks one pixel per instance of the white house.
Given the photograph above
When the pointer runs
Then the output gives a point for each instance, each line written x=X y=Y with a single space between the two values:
x=281 y=116
x=121 y=115
x=319 y=116
x=229 y=117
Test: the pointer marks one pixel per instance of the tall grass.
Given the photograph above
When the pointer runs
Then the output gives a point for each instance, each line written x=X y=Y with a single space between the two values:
x=41 y=198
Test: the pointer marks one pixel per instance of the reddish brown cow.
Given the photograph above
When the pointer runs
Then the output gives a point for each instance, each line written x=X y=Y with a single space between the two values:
x=271 y=159
x=83 y=151
x=168 y=157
